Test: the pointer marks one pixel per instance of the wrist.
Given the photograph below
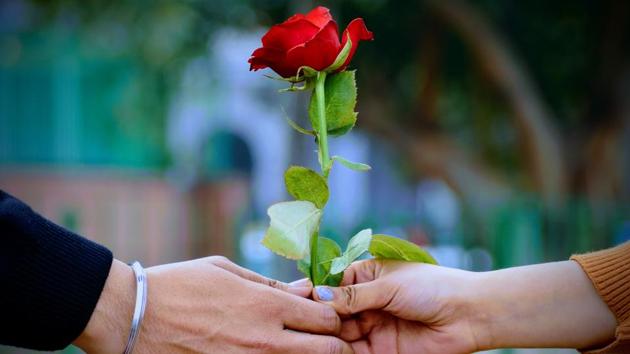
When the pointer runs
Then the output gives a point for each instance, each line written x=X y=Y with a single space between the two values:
x=550 y=305
x=480 y=309
x=109 y=326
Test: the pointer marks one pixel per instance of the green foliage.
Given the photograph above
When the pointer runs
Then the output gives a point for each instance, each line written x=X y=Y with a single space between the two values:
x=340 y=93
x=357 y=166
x=327 y=250
x=305 y=184
x=388 y=247
x=357 y=246
x=292 y=224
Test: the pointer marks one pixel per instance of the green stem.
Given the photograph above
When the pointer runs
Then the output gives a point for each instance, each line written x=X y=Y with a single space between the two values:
x=322 y=141
x=322 y=138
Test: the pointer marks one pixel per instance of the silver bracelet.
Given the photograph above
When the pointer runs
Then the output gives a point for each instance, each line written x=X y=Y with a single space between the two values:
x=141 y=303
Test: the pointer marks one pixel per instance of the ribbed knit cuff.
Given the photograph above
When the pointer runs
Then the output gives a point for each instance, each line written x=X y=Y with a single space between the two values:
x=609 y=270
x=51 y=279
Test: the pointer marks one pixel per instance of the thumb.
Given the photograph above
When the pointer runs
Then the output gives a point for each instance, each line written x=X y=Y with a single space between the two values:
x=348 y=300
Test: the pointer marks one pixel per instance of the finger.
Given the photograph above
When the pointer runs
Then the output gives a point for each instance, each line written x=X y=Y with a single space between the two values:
x=361 y=326
x=308 y=316
x=305 y=343
x=301 y=288
x=361 y=347
x=351 y=299
x=350 y=330
x=360 y=272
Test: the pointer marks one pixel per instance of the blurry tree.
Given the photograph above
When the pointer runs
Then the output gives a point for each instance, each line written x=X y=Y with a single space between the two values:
x=501 y=99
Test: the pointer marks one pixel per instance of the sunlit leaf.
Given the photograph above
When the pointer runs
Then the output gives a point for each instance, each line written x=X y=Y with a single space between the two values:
x=292 y=224
x=388 y=247
x=357 y=246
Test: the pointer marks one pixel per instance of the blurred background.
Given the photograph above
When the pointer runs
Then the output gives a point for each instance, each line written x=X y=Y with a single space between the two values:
x=498 y=131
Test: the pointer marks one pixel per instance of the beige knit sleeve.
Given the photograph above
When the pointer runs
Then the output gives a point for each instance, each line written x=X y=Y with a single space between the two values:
x=609 y=270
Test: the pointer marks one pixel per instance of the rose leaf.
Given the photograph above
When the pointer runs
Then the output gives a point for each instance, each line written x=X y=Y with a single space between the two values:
x=340 y=93
x=305 y=184
x=327 y=250
x=357 y=246
x=292 y=224
x=388 y=247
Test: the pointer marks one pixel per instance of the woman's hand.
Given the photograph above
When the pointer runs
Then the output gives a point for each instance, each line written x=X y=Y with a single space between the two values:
x=211 y=305
x=399 y=307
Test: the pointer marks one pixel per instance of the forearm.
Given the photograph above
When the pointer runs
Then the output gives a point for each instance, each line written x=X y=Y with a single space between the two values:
x=546 y=305
x=51 y=278
x=110 y=323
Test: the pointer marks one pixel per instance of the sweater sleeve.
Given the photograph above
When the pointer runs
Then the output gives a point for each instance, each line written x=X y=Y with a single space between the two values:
x=51 y=279
x=609 y=270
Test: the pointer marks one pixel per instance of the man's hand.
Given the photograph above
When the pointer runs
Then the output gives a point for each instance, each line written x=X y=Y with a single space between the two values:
x=211 y=305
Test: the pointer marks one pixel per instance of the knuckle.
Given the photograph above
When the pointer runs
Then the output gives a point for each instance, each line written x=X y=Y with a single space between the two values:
x=351 y=299
x=276 y=284
x=264 y=345
x=333 y=346
x=219 y=260
x=330 y=319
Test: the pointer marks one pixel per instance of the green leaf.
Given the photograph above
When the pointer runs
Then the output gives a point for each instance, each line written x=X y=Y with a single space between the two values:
x=388 y=247
x=357 y=166
x=357 y=246
x=341 y=57
x=292 y=224
x=304 y=266
x=305 y=184
x=327 y=250
x=340 y=91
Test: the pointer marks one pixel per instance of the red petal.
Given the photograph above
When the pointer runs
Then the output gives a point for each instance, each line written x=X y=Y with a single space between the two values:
x=318 y=53
x=319 y=16
x=270 y=58
x=289 y=34
x=357 y=31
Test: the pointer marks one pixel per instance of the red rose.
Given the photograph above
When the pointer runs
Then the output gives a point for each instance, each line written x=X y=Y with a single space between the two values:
x=306 y=40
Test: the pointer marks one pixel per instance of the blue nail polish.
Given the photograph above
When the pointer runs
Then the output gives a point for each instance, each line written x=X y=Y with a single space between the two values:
x=324 y=293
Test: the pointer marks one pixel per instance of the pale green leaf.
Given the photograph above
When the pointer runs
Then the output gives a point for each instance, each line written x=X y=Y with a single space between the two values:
x=305 y=184
x=388 y=247
x=291 y=227
x=357 y=246
x=340 y=93
x=357 y=166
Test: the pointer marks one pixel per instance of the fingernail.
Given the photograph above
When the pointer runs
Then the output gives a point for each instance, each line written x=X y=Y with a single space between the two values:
x=324 y=293
x=302 y=283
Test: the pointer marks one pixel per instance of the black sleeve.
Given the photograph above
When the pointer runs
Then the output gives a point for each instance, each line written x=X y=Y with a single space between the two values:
x=50 y=279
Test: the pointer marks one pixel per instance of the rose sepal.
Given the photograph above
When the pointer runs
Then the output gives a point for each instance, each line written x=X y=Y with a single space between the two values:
x=341 y=58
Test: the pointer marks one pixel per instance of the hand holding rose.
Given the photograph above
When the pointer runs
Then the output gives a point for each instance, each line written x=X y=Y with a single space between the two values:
x=399 y=307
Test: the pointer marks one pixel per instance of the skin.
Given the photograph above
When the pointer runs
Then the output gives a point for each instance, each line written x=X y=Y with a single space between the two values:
x=399 y=307
x=211 y=305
